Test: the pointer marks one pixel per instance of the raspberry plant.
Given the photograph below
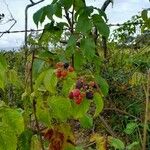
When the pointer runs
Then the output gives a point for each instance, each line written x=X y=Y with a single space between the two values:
x=58 y=87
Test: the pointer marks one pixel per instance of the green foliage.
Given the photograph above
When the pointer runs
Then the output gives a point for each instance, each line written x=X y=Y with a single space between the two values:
x=8 y=140
x=60 y=108
x=24 y=142
x=130 y=128
x=98 y=100
x=86 y=121
x=116 y=143
x=50 y=81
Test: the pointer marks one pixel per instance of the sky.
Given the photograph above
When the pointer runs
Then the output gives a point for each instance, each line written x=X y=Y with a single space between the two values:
x=121 y=11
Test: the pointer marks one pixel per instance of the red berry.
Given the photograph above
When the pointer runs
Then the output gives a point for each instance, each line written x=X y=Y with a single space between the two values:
x=78 y=100
x=64 y=73
x=71 y=69
x=76 y=92
x=71 y=95
x=58 y=73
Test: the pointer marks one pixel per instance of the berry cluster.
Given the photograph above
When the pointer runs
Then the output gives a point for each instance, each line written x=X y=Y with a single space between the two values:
x=62 y=69
x=83 y=89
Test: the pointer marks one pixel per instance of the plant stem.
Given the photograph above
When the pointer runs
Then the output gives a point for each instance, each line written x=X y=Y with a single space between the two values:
x=34 y=101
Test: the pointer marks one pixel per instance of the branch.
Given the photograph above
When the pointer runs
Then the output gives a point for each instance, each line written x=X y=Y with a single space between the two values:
x=26 y=24
x=12 y=19
x=105 y=5
x=104 y=40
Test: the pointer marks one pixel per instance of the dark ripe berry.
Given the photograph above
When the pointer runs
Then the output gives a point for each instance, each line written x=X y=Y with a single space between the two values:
x=66 y=65
x=79 y=84
x=71 y=69
x=71 y=95
x=89 y=95
x=76 y=92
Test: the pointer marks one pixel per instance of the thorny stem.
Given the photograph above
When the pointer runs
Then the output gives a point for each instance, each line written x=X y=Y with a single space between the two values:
x=147 y=91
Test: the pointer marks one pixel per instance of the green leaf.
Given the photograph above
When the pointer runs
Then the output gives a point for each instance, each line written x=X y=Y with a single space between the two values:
x=144 y=15
x=130 y=128
x=60 y=108
x=99 y=104
x=116 y=143
x=79 y=4
x=43 y=112
x=86 y=121
x=3 y=63
x=35 y=143
x=103 y=85
x=101 y=25
x=78 y=60
x=66 y=4
x=71 y=45
x=8 y=139
x=24 y=140
x=13 y=78
x=133 y=146
x=50 y=81
x=88 y=47
x=84 y=24
x=12 y=118
x=49 y=10
x=39 y=16
x=37 y=67
x=67 y=86
x=80 y=110
x=57 y=10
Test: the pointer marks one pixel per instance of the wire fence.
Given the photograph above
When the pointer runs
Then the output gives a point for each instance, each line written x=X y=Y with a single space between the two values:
x=38 y=30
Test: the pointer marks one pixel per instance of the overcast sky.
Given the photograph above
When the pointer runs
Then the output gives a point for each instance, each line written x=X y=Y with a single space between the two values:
x=121 y=11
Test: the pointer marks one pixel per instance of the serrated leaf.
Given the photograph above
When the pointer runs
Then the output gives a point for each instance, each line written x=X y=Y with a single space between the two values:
x=24 y=140
x=144 y=15
x=43 y=112
x=13 y=118
x=86 y=121
x=60 y=108
x=88 y=47
x=84 y=24
x=78 y=60
x=101 y=25
x=103 y=85
x=50 y=81
x=39 y=16
x=130 y=128
x=98 y=100
x=8 y=139
x=67 y=86
x=49 y=10
x=80 y=110
x=133 y=146
x=57 y=10
x=66 y=4
x=71 y=45
x=116 y=143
